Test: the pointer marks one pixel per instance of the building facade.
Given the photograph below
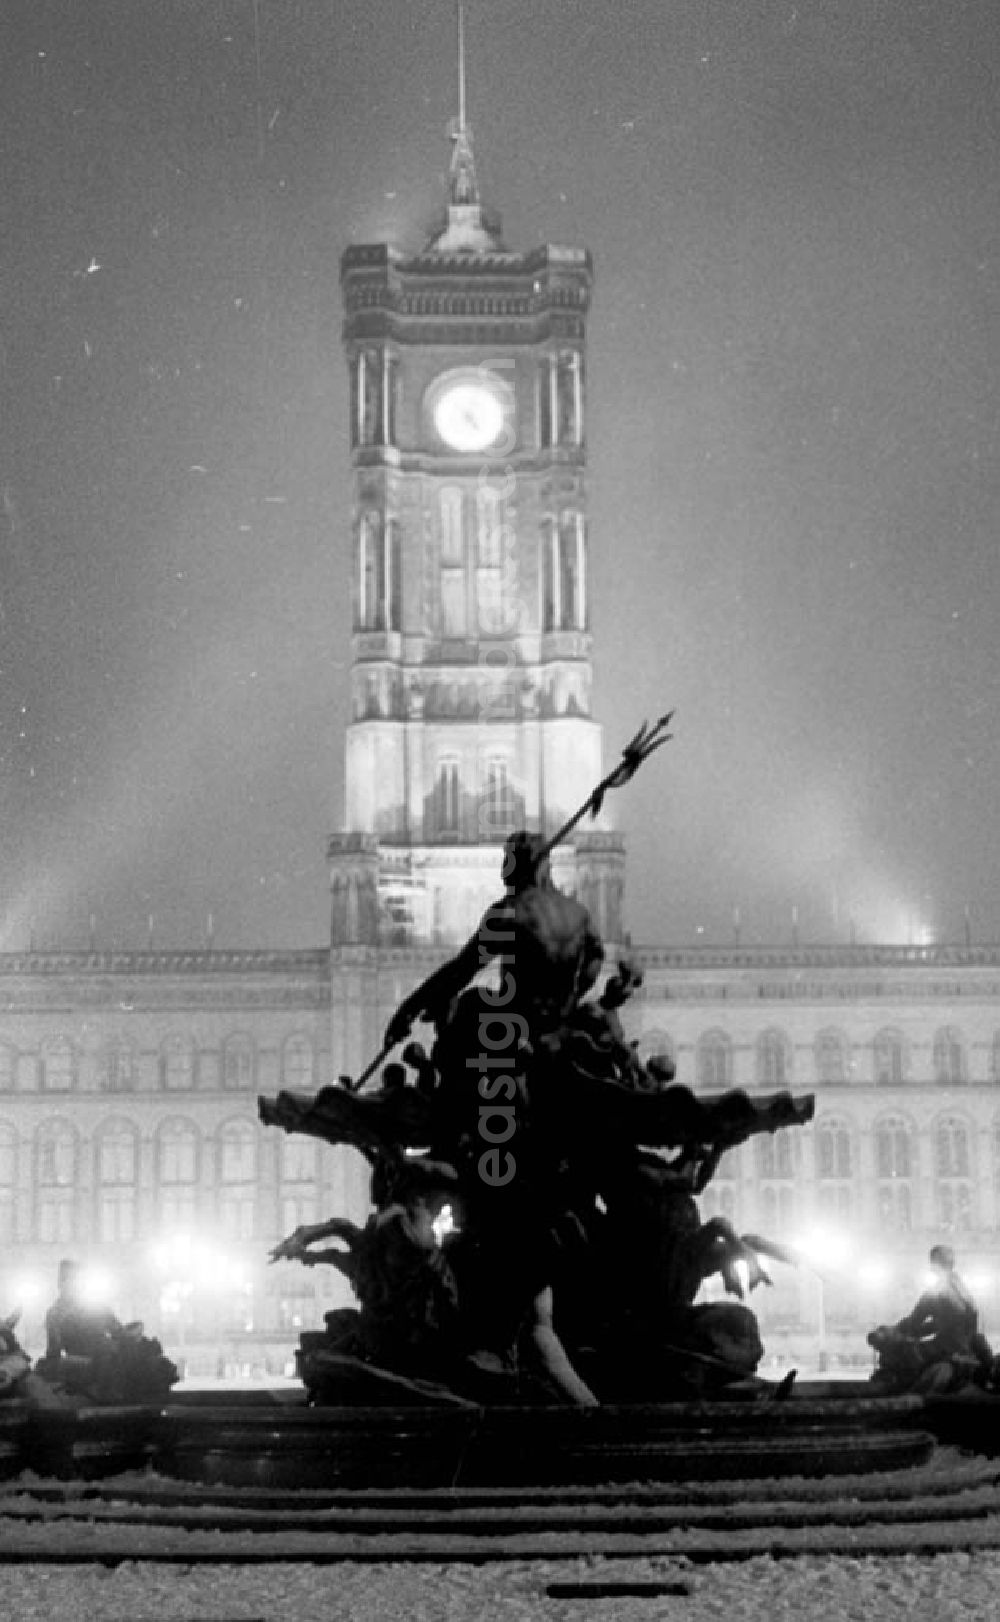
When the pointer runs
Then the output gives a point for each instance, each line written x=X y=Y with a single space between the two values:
x=129 y=1134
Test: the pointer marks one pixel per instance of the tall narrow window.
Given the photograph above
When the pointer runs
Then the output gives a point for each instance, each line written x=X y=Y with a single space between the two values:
x=890 y=1065
x=58 y=1065
x=953 y=1174
x=835 y=1171
x=297 y=1064
x=370 y=572
x=498 y=799
x=237 y=1063
x=299 y=1176
x=449 y=798
x=894 y=1173
x=237 y=1179
x=117 y=1180
x=949 y=1058
x=116 y=1067
x=714 y=1061
x=177 y=1175
x=489 y=560
x=177 y=1063
x=452 y=537
x=8 y=1067
x=572 y=594
x=831 y=1064
x=774 y=1061
x=55 y=1182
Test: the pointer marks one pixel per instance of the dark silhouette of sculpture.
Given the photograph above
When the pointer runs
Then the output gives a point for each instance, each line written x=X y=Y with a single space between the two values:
x=938 y=1347
x=575 y=1250
x=91 y=1355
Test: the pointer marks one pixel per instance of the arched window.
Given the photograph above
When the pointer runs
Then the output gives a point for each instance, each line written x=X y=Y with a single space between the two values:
x=237 y=1063
x=58 y=1065
x=177 y=1064
x=371 y=572
x=831 y=1058
x=299 y=1174
x=777 y=1154
x=8 y=1182
x=714 y=1061
x=949 y=1058
x=237 y=1179
x=117 y=1156
x=56 y=1152
x=448 y=797
x=894 y=1170
x=722 y=1196
x=776 y=1157
x=774 y=1059
x=890 y=1059
x=834 y=1170
x=498 y=799
x=116 y=1067
x=177 y=1168
x=953 y=1174
x=297 y=1065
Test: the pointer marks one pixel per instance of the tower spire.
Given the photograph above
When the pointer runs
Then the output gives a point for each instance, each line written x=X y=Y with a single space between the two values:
x=463 y=188
x=464 y=230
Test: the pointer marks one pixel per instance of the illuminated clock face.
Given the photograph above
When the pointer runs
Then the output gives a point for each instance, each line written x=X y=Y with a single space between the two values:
x=469 y=416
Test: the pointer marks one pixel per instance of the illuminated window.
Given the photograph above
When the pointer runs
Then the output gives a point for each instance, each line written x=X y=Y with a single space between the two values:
x=448 y=796
x=117 y=1179
x=894 y=1161
x=177 y=1158
x=237 y=1063
x=55 y=1182
x=834 y=1171
x=58 y=1065
x=299 y=1173
x=890 y=1059
x=949 y=1058
x=499 y=809
x=297 y=1064
x=714 y=1060
x=774 y=1060
x=953 y=1175
x=237 y=1179
x=777 y=1162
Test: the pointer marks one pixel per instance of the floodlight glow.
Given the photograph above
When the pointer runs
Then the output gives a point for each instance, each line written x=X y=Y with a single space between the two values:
x=874 y=1274
x=979 y=1281
x=95 y=1286
x=823 y=1247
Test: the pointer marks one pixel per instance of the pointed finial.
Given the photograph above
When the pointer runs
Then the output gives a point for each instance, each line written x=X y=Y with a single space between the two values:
x=461 y=65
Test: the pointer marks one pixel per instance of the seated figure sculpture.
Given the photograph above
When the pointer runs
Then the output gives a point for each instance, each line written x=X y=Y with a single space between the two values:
x=938 y=1347
x=89 y=1354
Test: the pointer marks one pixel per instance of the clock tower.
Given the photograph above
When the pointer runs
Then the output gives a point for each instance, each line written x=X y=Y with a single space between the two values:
x=471 y=680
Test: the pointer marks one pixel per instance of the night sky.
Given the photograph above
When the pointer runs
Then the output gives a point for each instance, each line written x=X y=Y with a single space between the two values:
x=794 y=210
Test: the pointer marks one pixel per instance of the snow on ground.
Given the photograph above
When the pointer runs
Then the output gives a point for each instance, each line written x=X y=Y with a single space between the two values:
x=944 y=1588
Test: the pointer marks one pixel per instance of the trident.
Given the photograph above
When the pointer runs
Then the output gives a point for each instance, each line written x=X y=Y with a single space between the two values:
x=639 y=748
